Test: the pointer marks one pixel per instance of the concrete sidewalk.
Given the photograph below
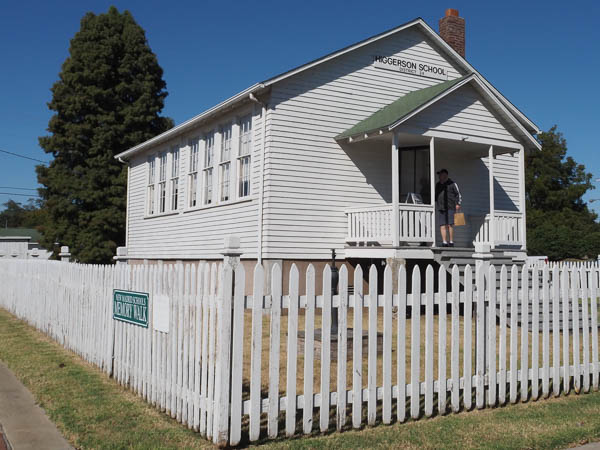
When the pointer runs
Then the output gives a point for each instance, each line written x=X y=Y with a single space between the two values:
x=25 y=425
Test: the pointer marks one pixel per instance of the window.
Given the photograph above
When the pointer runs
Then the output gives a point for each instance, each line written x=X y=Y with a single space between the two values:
x=244 y=156
x=225 y=166
x=193 y=174
x=208 y=169
x=225 y=176
x=226 y=143
x=162 y=183
x=174 y=179
x=151 y=179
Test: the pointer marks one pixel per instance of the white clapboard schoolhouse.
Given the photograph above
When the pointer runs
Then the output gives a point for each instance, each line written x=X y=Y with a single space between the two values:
x=340 y=153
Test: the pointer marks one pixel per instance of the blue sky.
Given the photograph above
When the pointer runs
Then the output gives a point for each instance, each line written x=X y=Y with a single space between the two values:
x=543 y=55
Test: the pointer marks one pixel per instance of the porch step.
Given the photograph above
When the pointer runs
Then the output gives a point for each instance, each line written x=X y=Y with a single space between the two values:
x=461 y=257
x=541 y=317
x=529 y=317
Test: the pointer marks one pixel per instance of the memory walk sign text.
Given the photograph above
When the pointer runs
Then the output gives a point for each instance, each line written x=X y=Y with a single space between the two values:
x=131 y=307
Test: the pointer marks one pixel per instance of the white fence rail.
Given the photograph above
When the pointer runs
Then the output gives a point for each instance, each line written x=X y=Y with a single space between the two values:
x=228 y=357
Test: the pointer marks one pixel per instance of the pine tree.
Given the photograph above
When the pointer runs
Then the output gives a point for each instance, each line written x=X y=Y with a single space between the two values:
x=108 y=98
x=559 y=223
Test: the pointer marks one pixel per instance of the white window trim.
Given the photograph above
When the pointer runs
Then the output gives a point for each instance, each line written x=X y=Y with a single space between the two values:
x=248 y=155
x=151 y=183
x=250 y=198
x=163 y=181
x=205 y=168
x=191 y=185
x=172 y=167
x=228 y=126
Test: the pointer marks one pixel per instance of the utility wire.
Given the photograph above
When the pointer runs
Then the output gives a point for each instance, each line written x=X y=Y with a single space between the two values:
x=23 y=156
x=22 y=195
x=19 y=188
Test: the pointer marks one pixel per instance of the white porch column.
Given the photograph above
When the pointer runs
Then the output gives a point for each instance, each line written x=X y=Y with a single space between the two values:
x=492 y=227
x=523 y=230
x=432 y=186
x=395 y=192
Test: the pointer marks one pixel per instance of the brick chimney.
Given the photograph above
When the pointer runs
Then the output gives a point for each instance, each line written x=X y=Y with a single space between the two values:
x=452 y=30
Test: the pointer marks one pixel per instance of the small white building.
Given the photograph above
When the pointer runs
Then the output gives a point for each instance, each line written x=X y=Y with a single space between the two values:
x=324 y=157
x=21 y=243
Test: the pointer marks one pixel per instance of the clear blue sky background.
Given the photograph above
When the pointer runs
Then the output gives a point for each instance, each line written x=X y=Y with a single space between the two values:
x=543 y=55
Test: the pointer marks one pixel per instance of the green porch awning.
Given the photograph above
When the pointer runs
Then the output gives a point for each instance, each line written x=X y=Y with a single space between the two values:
x=396 y=110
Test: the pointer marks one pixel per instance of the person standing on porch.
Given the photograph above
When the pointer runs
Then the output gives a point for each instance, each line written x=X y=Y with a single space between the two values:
x=447 y=202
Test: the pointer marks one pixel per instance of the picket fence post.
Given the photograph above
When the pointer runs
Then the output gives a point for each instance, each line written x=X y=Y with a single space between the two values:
x=231 y=259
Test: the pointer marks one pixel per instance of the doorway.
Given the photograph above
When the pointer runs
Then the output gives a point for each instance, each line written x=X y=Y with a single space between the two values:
x=415 y=174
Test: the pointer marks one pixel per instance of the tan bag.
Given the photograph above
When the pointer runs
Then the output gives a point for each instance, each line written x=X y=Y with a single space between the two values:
x=459 y=219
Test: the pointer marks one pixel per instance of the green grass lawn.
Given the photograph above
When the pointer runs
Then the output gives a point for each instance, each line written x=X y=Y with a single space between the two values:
x=92 y=411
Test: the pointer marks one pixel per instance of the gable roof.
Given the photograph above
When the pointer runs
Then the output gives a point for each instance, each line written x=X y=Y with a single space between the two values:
x=260 y=87
x=402 y=109
x=391 y=113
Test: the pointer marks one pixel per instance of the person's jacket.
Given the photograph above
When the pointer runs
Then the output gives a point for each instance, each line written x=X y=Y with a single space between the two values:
x=447 y=195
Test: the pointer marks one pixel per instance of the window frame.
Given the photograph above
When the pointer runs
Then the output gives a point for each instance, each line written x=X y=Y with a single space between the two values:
x=225 y=163
x=151 y=186
x=162 y=182
x=207 y=169
x=194 y=159
x=174 y=179
x=244 y=158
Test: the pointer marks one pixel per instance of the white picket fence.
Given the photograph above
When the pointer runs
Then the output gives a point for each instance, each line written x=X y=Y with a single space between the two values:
x=234 y=367
x=582 y=265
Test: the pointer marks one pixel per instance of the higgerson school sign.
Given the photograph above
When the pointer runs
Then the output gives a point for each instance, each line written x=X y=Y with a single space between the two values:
x=131 y=307
x=410 y=66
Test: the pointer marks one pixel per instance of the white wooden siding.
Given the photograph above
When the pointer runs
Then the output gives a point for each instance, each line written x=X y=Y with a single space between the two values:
x=198 y=233
x=461 y=113
x=311 y=179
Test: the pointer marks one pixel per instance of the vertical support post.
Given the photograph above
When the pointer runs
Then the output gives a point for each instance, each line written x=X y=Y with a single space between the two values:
x=395 y=191
x=261 y=191
x=492 y=227
x=121 y=258
x=432 y=186
x=335 y=279
x=523 y=230
x=231 y=259
x=127 y=205
x=64 y=254
x=482 y=257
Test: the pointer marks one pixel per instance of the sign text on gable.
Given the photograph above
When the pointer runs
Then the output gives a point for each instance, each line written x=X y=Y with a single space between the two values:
x=410 y=66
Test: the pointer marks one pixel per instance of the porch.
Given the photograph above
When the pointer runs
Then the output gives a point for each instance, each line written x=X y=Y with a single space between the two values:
x=457 y=125
x=373 y=226
x=493 y=215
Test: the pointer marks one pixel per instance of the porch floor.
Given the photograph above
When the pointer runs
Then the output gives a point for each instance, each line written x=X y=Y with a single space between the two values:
x=499 y=255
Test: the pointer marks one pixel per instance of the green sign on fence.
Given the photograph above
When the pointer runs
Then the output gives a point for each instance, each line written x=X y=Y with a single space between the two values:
x=131 y=307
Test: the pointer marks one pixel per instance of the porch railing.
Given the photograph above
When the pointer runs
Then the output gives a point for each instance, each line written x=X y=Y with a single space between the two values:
x=374 y=224
x=507 y=229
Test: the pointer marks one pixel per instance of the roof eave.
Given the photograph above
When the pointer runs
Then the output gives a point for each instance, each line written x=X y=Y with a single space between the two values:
x=530 y=126
x=432 y=101
x=183 y=127
x=390 y=126
x=341 y=52
x=473 y=78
